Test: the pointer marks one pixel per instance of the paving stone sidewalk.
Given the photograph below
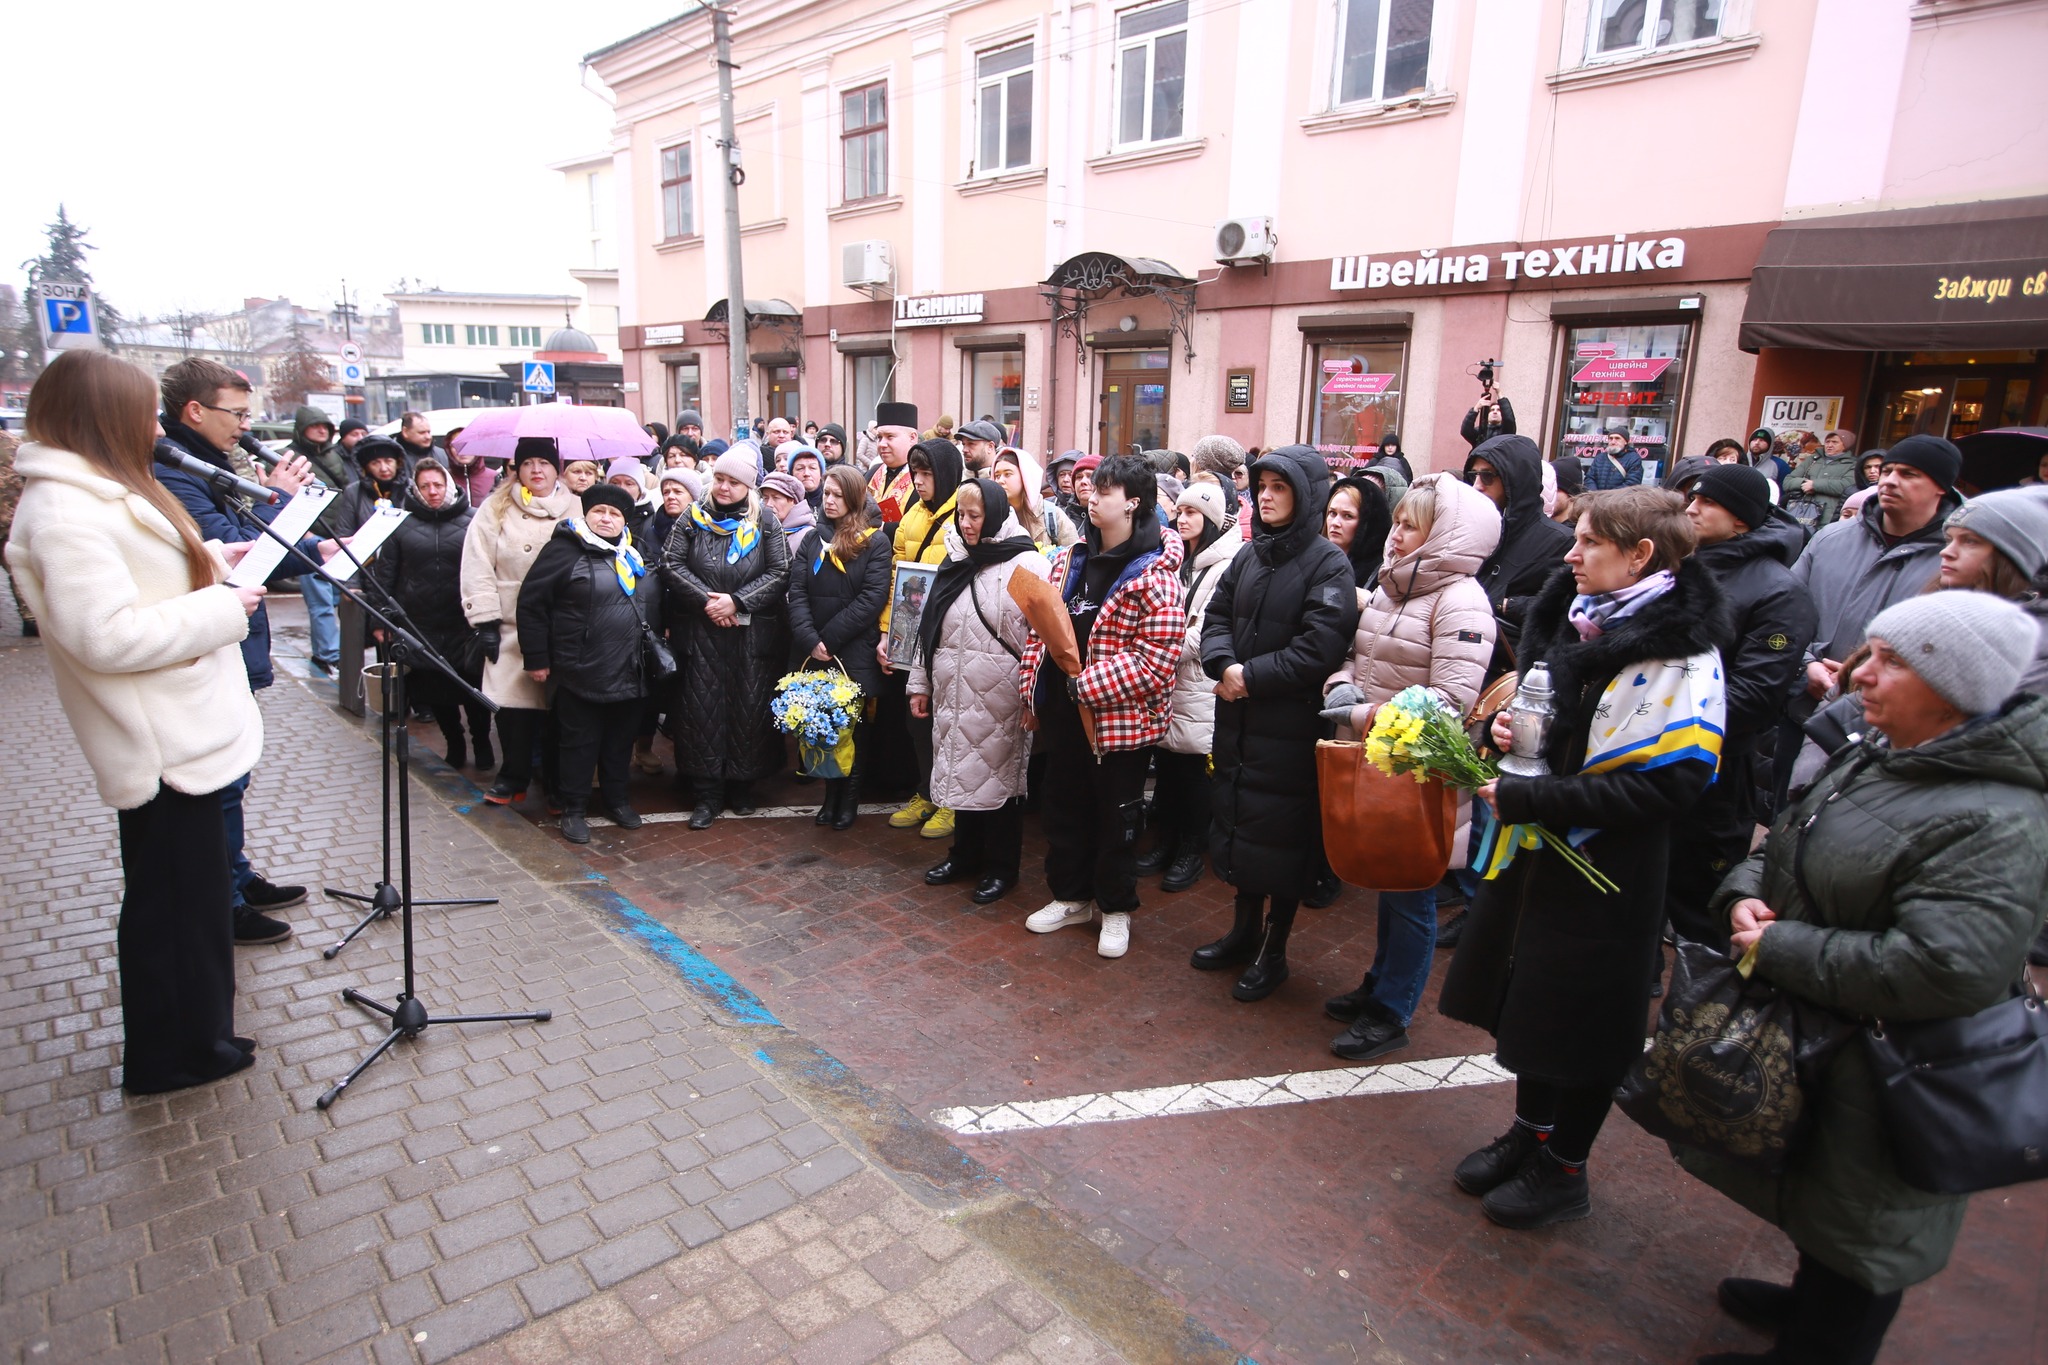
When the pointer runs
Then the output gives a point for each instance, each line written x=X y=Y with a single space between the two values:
x=661 y=1171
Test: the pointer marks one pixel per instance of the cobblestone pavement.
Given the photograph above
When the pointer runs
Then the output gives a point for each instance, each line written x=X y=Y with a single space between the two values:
x=660 y=1171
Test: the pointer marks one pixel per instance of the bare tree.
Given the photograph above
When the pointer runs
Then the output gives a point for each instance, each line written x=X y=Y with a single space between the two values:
x=298 y=372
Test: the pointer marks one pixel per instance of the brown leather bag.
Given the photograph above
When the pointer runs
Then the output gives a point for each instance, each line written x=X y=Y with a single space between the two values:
x=1385 y=833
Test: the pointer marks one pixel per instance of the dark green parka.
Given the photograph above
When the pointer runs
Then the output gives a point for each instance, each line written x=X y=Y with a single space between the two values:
x=1923 y=881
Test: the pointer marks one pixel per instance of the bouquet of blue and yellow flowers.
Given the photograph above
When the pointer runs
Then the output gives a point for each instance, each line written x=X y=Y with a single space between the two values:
x=820 y=708
x=1417 y=734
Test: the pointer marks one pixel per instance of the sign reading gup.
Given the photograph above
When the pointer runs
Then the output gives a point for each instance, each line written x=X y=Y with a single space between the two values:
x=64 y=313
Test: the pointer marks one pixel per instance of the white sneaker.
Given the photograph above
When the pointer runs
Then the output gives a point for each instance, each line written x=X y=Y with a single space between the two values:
x=1115 y=938
x=1060 y=914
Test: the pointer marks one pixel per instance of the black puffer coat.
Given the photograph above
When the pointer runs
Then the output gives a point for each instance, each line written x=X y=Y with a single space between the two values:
x=840 y=607
x=1286 y=611
x=720 y=720
x=1558 y=972
x=421 y=566
x=1772 y=618
x=1531 y=548
x=576 y=620
x=360 y=498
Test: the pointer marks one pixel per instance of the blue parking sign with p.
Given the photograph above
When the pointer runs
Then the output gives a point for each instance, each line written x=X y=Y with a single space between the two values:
x=62 y=316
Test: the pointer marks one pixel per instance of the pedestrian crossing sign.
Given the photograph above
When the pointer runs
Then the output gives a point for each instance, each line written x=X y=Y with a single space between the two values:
x=540 y=376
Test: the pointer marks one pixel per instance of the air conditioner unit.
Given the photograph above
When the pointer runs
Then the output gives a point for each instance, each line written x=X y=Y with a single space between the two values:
x=868 y=268
x=1240 y=240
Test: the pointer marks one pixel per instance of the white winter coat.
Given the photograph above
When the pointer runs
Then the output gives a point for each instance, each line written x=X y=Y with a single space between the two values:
x=979 y=747
x=150 y=673
x=504 y=539
x=1192 y=727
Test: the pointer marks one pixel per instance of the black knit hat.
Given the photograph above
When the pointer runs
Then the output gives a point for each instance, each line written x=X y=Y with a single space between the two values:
x=608 y=494
x=537 y=448
x=349 y=424
x=1742 y=490
x=896 y=415
x=371 y=447
x=1939 y=460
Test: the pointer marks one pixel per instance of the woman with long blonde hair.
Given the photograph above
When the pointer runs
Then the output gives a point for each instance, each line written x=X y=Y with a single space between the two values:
x=143 y=638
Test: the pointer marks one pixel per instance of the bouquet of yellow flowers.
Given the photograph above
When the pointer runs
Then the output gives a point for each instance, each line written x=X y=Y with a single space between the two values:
x=820 y=709
x=1418 y=735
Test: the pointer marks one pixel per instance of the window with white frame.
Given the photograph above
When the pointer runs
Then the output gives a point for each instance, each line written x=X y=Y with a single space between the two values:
x=1382 y=48
x=676 y=217
x=1623 y=27
x=1003 y=108
x=437 y=333
x=1151 y=73
x=864 y=141
x=525 y=336
x=480 y=335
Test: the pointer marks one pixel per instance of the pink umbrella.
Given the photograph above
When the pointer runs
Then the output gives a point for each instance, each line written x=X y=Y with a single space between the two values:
x=582 y=433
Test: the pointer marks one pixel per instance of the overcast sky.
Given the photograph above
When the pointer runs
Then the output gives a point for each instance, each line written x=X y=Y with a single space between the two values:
x=207 y=155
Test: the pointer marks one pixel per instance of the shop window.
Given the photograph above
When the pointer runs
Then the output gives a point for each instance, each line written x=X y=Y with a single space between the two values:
x=1952 y=394
x=1627 y=379
x=1152 y=72
x=1382 y=49
x=864 y=141
x=688 y=384
x=1003 y=109
x=1624 y=27
x=871 y=379
x=1354 y=397
x=995 y=390
x=677 y=218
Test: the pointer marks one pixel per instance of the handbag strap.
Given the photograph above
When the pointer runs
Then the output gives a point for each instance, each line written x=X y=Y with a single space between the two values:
x=975 y=598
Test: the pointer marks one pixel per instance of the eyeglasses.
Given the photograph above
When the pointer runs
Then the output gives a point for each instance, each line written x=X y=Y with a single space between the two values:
x=1484 y=476
x=239 y=414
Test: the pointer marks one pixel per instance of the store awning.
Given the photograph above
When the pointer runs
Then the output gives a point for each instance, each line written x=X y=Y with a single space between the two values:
x=1097 y=272
x=757 y=309
x=1950 y=278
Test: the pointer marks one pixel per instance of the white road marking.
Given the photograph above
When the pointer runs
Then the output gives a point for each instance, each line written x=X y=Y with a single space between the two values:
x=1120 y=1106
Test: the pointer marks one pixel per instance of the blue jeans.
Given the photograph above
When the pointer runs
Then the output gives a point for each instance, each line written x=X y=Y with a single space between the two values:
x=240 y=874
x=320 y=596
x=1407 y=939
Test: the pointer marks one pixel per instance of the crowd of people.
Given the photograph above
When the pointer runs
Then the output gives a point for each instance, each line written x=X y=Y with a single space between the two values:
x=1745 y=646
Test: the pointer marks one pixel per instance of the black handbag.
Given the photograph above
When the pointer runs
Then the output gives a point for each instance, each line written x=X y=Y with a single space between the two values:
x=1965 y=1101
x=656 y=657
x=1733 y=1065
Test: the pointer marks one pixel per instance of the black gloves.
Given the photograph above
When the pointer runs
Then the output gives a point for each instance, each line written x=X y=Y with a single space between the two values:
x=487 y=639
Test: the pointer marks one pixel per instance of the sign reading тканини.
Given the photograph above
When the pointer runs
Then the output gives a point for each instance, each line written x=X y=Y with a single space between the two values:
x=1432 y=267
x=936 y=310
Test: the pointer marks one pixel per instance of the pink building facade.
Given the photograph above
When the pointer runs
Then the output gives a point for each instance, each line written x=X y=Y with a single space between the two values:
x=1108 y=225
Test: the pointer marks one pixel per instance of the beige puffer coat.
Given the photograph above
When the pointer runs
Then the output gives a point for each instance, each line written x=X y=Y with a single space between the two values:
x=504 y=539
x=979 y=747
x=1192 y=729
x=1429 y=623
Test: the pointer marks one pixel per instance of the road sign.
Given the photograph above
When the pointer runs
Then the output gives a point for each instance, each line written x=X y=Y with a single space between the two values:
x=1358 y=383
x=351 y=354
x=1622 y=369
x=540 y=376
x=65 y=316
x=351 y=370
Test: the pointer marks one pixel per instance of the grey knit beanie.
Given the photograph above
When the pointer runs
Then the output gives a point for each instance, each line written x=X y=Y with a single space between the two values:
x=2014 y=520
x=1970 y=647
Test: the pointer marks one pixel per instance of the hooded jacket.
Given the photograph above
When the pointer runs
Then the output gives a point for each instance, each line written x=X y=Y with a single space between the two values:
x=1286 y=611
x=329 y=461
x=1531 y=548
x=1771 y=622
x=1192 y=729
x=360 y=498
x=1921 y=883
x=421 y=565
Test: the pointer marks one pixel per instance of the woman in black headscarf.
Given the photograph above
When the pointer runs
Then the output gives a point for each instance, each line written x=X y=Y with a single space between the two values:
x=1357 y=520
x=1390 y=452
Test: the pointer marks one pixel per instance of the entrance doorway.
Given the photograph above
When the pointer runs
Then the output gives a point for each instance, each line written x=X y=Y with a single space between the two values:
x=1133 y=402
x=1949 y=393
x=780 y=397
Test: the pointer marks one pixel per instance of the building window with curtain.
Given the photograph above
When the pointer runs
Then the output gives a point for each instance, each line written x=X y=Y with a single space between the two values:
x=864 y=141
x=677 y=219
x=995 y=390
x=1382 y=49
x=1623 y=28
x=1628 y=379
x=1003 y=109
x=1354 y=397
x=1151 y=73
x=870 y=379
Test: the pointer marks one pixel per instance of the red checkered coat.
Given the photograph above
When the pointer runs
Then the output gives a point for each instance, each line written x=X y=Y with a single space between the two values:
x=1133 y=650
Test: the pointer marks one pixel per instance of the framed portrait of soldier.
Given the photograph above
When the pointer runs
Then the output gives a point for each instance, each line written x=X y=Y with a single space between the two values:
x=907 y=596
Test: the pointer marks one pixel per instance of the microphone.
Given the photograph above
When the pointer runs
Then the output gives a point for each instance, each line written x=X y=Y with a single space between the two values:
x=216 y=478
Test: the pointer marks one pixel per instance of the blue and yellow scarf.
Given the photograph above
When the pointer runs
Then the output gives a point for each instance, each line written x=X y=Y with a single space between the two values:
x=825 y=550
x=626 y=561
x=745 y=531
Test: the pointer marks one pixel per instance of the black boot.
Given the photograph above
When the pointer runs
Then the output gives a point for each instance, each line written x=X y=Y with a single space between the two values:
x=480 y=741
x=1757 y=1302
x=1497 y=1162
x=1153 y=861
x=848 y=809
x=1543 y=1192
x=828 y=804
x=574 y=827
x=709 y=797
x=1186 y=868
x=449 y=718
x=740 y=797
x=1236 y=947
x=1269 y=969
x=1451 y=930
x=1374 y=1033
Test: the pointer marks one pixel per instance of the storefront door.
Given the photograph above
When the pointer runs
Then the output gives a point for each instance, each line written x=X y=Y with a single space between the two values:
x=779 y=393
x=1948 y=393
x=1133 y=402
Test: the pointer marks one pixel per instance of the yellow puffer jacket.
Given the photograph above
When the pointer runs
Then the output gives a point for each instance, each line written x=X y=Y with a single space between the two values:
x=920 y=539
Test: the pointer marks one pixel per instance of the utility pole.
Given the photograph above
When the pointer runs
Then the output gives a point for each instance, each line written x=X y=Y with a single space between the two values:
x=735 y=290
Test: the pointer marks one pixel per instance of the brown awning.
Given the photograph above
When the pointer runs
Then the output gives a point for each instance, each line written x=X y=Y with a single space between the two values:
x=1952 y=278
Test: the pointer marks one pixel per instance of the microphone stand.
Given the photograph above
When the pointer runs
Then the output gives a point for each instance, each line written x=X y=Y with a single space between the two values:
x=407 y=1013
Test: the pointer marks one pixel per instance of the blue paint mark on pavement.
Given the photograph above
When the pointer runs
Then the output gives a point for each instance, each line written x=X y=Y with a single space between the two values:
x=762 y=1055
x=699 y=972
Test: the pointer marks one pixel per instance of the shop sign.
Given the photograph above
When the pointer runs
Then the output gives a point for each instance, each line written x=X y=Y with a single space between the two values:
x=1348 y=382
x=1784 y=414
x=938 y=310
x=666 y=335
x=1432 y=267
x=1624 y=398
x=1622 y=369
x=1589 y=350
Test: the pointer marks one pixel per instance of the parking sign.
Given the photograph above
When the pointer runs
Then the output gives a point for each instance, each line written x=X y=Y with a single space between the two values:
x=64 y=313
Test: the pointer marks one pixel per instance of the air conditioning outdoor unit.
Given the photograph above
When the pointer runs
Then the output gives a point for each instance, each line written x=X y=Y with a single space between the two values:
x=1242 y=240
x=868 y=268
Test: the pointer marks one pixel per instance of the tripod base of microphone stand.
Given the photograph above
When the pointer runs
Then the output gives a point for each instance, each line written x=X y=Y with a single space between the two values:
x=409 y=1019
x=384 y=902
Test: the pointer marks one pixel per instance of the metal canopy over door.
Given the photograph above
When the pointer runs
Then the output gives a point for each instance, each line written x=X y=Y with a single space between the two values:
x=1133 y=407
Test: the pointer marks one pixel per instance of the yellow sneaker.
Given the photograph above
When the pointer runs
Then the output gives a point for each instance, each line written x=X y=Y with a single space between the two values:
x=916 y=813
x=940 y=826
